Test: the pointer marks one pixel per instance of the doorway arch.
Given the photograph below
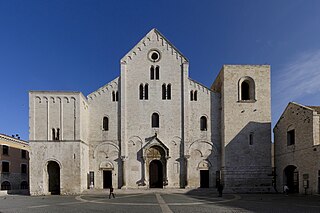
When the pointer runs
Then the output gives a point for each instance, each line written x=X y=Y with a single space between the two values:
x=156 y=174
x=53 y=169
x=291 y=178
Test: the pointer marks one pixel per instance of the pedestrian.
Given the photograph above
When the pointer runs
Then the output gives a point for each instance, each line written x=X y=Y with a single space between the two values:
x=111 y=192
x=220 y=189
x=286 y=190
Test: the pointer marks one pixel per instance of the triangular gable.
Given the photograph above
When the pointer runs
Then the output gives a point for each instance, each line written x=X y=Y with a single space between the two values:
x=143 y=43
x=287 y=107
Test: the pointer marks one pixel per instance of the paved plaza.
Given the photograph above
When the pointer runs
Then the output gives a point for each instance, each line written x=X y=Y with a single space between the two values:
x=165 y=201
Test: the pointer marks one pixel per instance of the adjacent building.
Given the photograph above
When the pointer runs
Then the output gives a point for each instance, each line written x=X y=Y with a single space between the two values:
x=14 y=167
x=154 y=127
x=297 y=150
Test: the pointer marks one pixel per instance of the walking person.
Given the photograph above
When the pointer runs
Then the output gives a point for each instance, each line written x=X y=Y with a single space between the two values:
x=220 y=189
x=286 y=190
x=111 y=192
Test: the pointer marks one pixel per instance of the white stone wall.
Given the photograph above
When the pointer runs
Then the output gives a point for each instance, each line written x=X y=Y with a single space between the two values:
x=246 y=167
x=305 y=153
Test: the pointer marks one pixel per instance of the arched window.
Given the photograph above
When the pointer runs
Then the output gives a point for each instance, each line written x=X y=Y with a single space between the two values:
x=195 y=95
x=155 y=120
x=191 y=95
x=105 y=123
x=164 y=91
x=152 y=73
x=203 y=123
x=58 y=134
x=53 y=134
x=157 y=72
x=246 y=89
x=113 y=96
x=146 y=92
x=141 y=92
x=5 y=185
x=24 y=185
x=117 y=96
x=169 y=91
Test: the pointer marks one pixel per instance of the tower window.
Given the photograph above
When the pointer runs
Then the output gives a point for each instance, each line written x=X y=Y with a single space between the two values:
x=23 y=154
x=246 y=89
x=146 y=92
x=24 y=168
x=155 y=120
x=191 y=95
x=203 y=123
x=251 y=138
x=53 y=134
x=113 y=96
x=166 y=92
x=117 y=96
x=195 y=95
x=105 y=123
x=169 y=91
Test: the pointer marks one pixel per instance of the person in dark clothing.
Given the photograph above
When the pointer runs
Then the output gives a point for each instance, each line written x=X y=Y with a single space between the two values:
x=220 y=189
x=111 y=193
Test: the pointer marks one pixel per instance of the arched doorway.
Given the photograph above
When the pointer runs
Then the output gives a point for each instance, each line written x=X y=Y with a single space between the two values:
x=54 y=177
x=156 y=174
x=291 y=178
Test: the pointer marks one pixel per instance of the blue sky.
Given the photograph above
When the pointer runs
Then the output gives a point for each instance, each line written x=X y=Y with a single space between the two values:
x=76 y=45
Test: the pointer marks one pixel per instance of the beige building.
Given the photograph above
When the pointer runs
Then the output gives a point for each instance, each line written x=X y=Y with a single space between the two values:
x=297 y=150
x=14 y=167
x=153 y=126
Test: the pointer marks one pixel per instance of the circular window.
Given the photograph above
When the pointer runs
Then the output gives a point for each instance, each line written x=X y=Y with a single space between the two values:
x=154 y=55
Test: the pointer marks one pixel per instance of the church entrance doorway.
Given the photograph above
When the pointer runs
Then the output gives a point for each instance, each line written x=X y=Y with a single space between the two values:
x=54 y=177
x=204 y=178
x=156 y=174
x=107 y=179
x=292 y=178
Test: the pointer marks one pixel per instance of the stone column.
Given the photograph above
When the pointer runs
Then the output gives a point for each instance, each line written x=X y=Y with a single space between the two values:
x=124 y=178
x=186 y=182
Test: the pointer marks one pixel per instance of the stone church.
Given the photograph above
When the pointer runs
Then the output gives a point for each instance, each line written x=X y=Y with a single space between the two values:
x=154 y=127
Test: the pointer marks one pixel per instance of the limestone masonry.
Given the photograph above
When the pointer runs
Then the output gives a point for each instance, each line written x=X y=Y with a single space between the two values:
x=154 y=127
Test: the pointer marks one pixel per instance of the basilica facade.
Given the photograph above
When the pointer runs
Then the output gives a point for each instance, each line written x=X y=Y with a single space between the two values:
x=154 y=127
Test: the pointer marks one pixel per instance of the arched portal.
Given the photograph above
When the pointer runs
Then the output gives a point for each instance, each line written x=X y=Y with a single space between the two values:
x=54 y=177
x=156 y=174
x=156 y=166
x=291 y=178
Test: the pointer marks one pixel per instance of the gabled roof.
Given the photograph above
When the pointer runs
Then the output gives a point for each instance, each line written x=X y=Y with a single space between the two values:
x=152 y=34
x=294 y=103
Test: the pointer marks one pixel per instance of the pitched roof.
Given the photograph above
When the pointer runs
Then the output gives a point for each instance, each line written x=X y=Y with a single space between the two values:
x=152 y=34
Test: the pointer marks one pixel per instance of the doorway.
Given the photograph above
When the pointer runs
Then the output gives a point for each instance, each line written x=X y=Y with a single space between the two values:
x=107 y=179
x=54 y=177
x=204 y=178
x=156 y=174
x=292 y=178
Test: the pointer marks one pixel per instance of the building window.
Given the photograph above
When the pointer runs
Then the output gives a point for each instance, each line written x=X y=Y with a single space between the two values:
x=23 y=168
x=113 y=96
x=5 y=150
x=155 y=120
x=290 y=137
x=169 y=92
x=251 y=138
x=105 y=123
x=5 y=167
x=157 y=72
x=24 y=185
x=193 y=95
x=246 y=89
x=53 y=134
x=144 y=92
x=203 y=123
x=5 y=185
x=117 y=96
x=58 y=134
x=23 y=154
x=166 y=92
x=152 y=73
